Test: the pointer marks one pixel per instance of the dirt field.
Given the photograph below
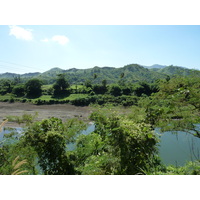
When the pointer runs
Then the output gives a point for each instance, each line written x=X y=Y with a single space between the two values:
x=63 y=111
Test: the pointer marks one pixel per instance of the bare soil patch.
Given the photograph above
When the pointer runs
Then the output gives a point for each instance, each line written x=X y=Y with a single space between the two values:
x=63 y=111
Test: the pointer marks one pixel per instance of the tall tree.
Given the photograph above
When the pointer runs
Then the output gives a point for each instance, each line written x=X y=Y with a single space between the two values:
x=49 y=139
x=61 y=85
x=119 y=146
x=95 y=76
x=33 y=88
x=5 y=86
x=18 y=90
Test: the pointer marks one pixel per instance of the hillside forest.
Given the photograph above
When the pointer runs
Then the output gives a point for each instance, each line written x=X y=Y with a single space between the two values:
x=128 y=103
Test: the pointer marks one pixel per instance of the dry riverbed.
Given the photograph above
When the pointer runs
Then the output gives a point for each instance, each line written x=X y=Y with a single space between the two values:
x=63 y=111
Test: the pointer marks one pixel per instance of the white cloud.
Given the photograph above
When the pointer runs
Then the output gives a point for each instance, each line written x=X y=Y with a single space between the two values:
x=45 y=40
x=61 y=39
x=21 y=33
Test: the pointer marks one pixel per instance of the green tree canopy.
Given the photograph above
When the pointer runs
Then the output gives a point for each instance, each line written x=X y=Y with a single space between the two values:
x=115 y=90
x=117 y=146
x=61 y=85
x=19 y=90
x=5 y=86
x=33 y=88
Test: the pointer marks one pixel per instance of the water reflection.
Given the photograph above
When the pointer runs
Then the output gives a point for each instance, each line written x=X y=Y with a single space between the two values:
x=9 y=130
x=177 y=149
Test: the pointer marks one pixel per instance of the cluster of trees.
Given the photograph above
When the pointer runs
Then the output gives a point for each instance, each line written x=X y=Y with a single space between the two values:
x=102 y=93
x=33 y=87
x=169 y=91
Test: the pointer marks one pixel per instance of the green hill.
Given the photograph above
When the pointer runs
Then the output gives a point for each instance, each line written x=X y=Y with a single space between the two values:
x=129 y=73
x=176 y=71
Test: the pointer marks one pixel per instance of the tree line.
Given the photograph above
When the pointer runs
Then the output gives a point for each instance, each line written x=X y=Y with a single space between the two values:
x=97 y=93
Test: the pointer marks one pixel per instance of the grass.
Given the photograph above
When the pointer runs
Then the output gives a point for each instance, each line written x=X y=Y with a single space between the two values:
x=25 y=118
x=17 y=166
x=43 y=97
x=46 y=87
x=6 y=96
x=75 y=96
x=2 y=124
x=11 y=98
x=74 y=86
x=70 y=97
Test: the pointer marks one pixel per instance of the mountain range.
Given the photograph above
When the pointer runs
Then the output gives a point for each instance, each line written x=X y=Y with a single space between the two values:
x=131 y=73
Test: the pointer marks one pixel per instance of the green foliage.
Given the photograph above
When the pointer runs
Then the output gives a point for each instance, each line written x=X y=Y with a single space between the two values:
x=47 y=90
x=132 y=73
x=115 y=90
x=5 y=86
x=178 y=71
x=118 y=146
x=25 y=118
x=11 y=148
x=175 y=107
x=60 y=86
x=126 y=90
x=145 y=88
x=190 y=168
x=88 y=83
x=99 y=89
x=33 y=88
x=49 y=139
x=18 y=90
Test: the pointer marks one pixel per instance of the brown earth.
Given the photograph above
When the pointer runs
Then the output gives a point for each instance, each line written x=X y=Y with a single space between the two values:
x=63 y=111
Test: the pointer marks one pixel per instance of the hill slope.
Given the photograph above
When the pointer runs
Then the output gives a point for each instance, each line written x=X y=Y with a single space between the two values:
x=129 y=73
x=177 y=71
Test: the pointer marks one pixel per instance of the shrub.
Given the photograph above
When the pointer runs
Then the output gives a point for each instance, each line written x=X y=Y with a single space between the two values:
x=119 y=146
x=115 y=90
x=80 y=102
x=18 y=90
x=11 y=100
x=33 y=88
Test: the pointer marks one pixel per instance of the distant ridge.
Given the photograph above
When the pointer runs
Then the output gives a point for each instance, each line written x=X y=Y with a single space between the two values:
x=8 y=75
x=175 y=70
x=131 y=73
x=155 y=66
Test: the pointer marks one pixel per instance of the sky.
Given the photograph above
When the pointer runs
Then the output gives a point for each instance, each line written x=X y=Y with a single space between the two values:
x=38 y=48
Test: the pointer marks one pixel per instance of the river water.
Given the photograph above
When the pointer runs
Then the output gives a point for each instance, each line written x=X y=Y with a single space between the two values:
x=175 y=149
x=178 y=148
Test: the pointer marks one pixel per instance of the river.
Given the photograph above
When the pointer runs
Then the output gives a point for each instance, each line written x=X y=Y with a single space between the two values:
x=178 y=148
x=175 y=149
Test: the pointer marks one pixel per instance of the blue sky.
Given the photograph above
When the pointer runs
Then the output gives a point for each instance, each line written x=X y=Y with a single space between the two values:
x=37 y=48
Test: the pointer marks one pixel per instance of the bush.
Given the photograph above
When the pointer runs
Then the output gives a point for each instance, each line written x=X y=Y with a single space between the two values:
x=99 y=89
x=115 y=90
x=23 y=100
x=33 y=88
x=39 y=102
x=5 y=100
x=119 y=146
x=11 y=100
x=18 y=90
x=80 y=102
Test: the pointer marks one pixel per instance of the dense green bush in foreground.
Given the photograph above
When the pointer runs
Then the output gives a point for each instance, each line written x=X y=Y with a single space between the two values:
x=117 y=146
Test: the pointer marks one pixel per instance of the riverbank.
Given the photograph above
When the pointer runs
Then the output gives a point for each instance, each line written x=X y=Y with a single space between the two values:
x=63 y=111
